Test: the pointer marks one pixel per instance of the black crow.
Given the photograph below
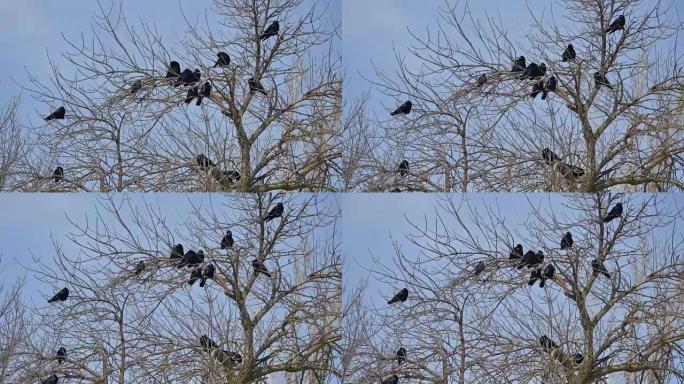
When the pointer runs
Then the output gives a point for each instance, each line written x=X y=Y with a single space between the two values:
x=272 y=30
x=53 y=379
x=550 y=86
x=548 y=344
x=140 y=267
x=566 y=241
x=399 y=297
x=531 y=71
x=276 y=211
x=56 y=115
x=403 y=109
x=537 y=88
x=516 y=252
x=549 y=157
x=255 y=86
x=578 y=357
x=196 y=76
x=576 y=171
x=207 y=273
x=204 y=162
x=519 y=64
x=230 y=177
x=228 y=358
x=542 y=70
x=137 y=85
x=569 y=53
x=548 y=274
x=531 y=259
x=177 y=252
x=601 y=79
x=482 y=80
x=614 y=213
x=616 y=25
x=192 y=258
x=174 y=70
x=401 y=355
x=193 y=92
x=394 y=379
x=534 y=276
x=227 y=240
x=223 y=60
x=259 y=267
x=205 y=91
x=61 y=295
x=598 y=267
x=207 y=344
x=479 y=267
x=403 y=168
x=195 y=275
x=61 y=355
x=186 y=77
x=58 y=174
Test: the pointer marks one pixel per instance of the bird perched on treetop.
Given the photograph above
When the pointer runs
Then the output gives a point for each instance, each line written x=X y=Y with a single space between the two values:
x=272 y=30
x=601 y=79
x=519 y=64
x=174 y=70
x=255 y=86
x=394 y=379
x=227 y=240
x=481 y=80
x=177 y=252
x=223 y=60
x=566 y=241
x=616 y=25
x=399 y=297
x=259 y=267
x=403 y=109
x=275 y=212
x=61 y=355
x=598 y=267
x=56 y=115
x=569 y=53
x=58 y=174
x=401 y=355
x=548 y=274
x=550 y=86
x=614 y=213
x=62 y=295
x=140 y=267
x=516 y=252
x=403 y=168
x=547 y=343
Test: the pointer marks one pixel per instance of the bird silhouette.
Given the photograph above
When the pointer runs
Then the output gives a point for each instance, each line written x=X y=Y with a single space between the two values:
x=578 y=358
x=193 y=93
x=192 y=258
x=259 y=267
x=550 y=86
x=255 y=86
x=403 y=109
x=223 y=60
x=482 y=80
x=549 y=156
x=601 y=79
x=401 y=355
x=519 y=64
x=535 y=275
x=569 y=53
x=204 y=162
x=403 y=168
x=58 y=174
x=479 y=267
x=61 y=355
x=227 y=240
x=140 y=267
x=548 y=274
x=207 y=343
x=62 y=295
x=52 y=379
x=272 y=30
x=177 y=252
x=598 y=267
x=548 y=344
x=57 y=114
x=394 y=379
x=186 y=77
x=566 y=241
x=614 y=213
x=205 y=91
x=207 y=273
x=400 y=297
x=275 y=212
x=174 y=70
x=537 y=88
x=616 y=25
x=534 y=71
x=516 y=252
x=531 y=259
x=137 y=85
x=195 y=275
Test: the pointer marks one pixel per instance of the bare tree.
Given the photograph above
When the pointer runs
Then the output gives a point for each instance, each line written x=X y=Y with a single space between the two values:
x=12 y=142
x=462 y=136
x=127 y=127
x=14 y=327
x=121 y=326
x=463 y=326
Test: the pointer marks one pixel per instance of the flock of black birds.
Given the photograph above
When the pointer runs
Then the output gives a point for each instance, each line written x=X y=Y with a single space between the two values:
x=537 y=73
x=201 y=273
x=539 y=273
x=186 y=77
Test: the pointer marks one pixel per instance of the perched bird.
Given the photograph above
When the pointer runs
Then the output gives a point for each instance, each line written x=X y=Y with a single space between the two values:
x=548 y=273
x=549 y=157
x=227 y=240
x=204 y=162
x=569 y=53
x=185 y=77
x=394 y=379
x=482 y=80
x=205 y=91
x=196 y=76
x=62 y=295
x=479 y=267
x=228 y=358
x=174 y=70
x=207 y=273
x=255 y=86
x=542 y=69
x=177 y=252
x=578 y=358
x=223 y=60
x=403 y=109
x=137 y=85
x=534 y=71
x=534 y=276
x=259 y=267
x=519 y=64
x=61 y=355
x=403 y=168
x=272 y=30
x=276 y=211
x=399 y=297
x=614 y=213
x=516 y=252
x=195 y=275
x=193 y=92
x=56 y=115
x=601 y=79
x=537 y=88
x=598 y=267
x=140 y=267
x=53 y=379
x=401 y=355
x=58 y=174
x=547 y=343
x=566 y=241
x=531 y=259
x=550 y=86
x=192 y=258
x=230 y=177
x=207 y=344
x=616 y=25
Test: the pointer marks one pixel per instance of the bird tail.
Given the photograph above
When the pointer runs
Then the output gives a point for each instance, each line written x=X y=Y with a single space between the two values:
x=394 y=113
x=606 y=274
x=266 y=273
x=544 y=94
x=52 y=300
x=192 y=281
x=392 y=301
x=609 y=86
x=199 y=101
x=542 y=283
x=202 y=282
